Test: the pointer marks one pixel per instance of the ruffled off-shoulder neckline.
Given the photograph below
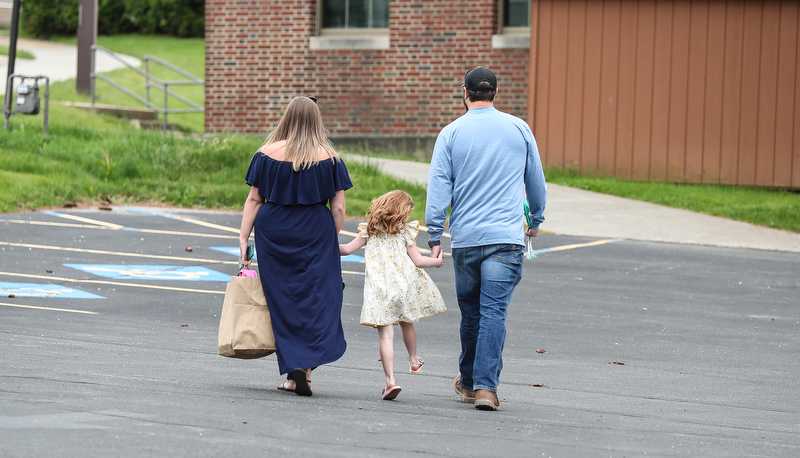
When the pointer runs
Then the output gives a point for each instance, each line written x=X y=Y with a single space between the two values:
x=279 y=183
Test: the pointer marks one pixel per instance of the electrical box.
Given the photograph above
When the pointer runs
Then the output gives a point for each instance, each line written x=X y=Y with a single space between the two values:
x=27 y=99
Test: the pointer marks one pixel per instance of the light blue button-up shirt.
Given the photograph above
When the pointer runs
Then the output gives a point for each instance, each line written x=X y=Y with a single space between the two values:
x=484 y=165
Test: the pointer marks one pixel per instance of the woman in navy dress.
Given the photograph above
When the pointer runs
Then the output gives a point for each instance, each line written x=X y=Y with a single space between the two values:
x=294 y=178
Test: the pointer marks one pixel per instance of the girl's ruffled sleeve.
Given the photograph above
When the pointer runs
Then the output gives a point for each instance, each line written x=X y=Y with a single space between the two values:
x=362 y=230
x=411 y=231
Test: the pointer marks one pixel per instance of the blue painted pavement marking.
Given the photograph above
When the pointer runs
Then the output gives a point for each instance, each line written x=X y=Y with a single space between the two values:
x=147 y=212
x=142 y=272
x=231 y=250
x=41 y=290
x=352 y=258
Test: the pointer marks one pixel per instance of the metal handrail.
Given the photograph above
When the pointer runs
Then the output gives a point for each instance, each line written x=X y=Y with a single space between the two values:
x=197 y=80
x=150 y=81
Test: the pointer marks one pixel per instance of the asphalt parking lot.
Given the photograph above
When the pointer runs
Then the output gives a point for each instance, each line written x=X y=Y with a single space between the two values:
x=614 y=348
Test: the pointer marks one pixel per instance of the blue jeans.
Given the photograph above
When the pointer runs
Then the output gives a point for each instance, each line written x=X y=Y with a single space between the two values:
x=485 y=280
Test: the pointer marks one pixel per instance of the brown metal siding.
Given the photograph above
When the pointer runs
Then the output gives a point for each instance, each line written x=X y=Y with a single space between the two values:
x=673 y=90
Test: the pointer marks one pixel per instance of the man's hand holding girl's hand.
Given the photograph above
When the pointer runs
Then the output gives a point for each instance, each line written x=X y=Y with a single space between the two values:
x=439 y=256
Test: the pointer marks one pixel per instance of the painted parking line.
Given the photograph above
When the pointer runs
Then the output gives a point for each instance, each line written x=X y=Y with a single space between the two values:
x=82 y=219
x=147 y=272
x=52 y=309
x=577 y=245
x=44 y=290
x=112 y=283
x=184 y=219
x=117 y=253
x=129 y=229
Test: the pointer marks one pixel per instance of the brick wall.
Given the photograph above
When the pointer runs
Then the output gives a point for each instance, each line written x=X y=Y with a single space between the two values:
x=258 y=58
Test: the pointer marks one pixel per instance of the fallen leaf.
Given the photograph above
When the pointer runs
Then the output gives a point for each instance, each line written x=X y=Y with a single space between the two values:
x=70 y=205
x=618 y=363
x=541 y=350
x=188 y=248
x=49 y=271
x=538 y=385
x=12 y=296
x=186 y=325
x=104 y=207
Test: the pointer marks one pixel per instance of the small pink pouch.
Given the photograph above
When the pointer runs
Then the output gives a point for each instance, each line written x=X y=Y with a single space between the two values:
x=247 y=273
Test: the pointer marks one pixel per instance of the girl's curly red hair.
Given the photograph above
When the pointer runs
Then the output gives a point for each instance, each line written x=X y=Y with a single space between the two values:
x=389 y=212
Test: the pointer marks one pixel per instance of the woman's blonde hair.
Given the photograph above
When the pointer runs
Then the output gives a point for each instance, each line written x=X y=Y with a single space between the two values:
x=301 y=126
x=389 y=212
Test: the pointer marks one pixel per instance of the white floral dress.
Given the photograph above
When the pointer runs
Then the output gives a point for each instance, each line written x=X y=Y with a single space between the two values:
x=394 y=288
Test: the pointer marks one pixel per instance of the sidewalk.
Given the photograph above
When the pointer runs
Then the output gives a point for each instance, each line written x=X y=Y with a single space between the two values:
x=576 y=212
x=57 y=61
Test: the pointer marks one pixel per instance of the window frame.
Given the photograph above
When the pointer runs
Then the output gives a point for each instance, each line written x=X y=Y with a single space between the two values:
x=348 y=31
x=511 y=37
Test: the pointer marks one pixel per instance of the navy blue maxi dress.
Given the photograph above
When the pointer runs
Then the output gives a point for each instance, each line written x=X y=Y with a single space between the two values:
x=298 y=258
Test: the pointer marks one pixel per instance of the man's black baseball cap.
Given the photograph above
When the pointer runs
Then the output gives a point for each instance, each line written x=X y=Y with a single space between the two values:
x=477 y=75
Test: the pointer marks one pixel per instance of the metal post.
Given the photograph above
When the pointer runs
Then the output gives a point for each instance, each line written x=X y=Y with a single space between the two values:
x=166 y=96
x=12 y=46
x=147 y=78
x=12 y=57
x=87 y=37
x=46 y=102
x=91 y=77
x=7 y=103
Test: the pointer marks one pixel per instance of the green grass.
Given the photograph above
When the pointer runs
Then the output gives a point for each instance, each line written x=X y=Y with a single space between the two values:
x=21 y=53
x=779 y=209
x=185 y=53
x=88 y=158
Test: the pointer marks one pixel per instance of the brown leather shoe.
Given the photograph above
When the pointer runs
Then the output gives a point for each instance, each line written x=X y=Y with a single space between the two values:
x=466 y=395
x=486 y=400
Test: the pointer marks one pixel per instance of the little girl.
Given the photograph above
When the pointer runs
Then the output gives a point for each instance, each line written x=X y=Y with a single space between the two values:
x=396 y=290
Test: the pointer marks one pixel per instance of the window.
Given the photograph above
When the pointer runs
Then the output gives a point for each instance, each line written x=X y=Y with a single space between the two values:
x=351 y=24
x=514 y=19
x=355 y=14
x=516 y=13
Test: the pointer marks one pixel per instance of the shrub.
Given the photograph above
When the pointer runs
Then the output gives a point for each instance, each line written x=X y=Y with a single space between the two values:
x=180 y=18
x=45 y=18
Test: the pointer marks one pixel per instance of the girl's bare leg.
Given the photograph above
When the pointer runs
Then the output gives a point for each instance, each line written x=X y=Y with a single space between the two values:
x=410 y=340
x=386 y=348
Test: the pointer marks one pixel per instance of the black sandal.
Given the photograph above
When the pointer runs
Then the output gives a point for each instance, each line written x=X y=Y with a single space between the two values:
x=302 y=384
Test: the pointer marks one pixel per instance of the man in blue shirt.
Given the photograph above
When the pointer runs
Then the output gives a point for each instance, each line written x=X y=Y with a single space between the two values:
x=484 y=165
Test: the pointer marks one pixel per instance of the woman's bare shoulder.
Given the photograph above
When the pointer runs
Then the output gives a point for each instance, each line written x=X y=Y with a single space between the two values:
x=324 y=155
x=274 y=150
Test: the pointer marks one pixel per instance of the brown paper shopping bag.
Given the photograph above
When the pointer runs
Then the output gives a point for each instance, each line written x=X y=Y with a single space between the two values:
x=245 y=329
